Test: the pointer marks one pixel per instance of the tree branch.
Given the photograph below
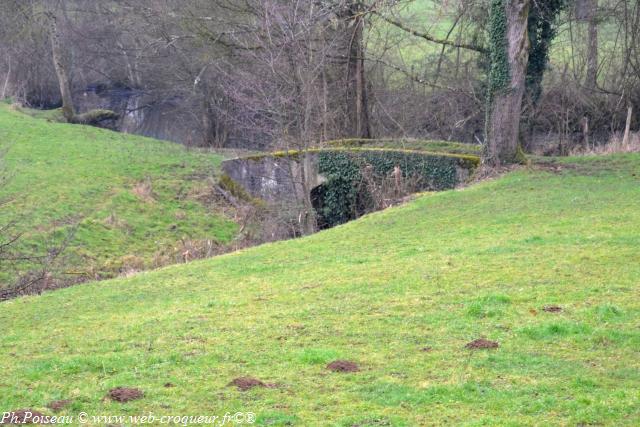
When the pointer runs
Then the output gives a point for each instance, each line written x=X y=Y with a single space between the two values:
x=430 y=38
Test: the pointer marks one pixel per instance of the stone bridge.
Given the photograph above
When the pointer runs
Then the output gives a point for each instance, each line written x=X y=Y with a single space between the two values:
x=277 y=177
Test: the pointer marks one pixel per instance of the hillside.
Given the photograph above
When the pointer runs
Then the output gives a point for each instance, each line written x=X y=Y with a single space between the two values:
x=132 y=201
x=399 y=292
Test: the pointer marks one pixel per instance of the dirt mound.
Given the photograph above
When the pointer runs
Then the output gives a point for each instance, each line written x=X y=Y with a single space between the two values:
x=343 y=366
x=247 y=383
x=57 y=405
x=481 y=343
x=124 y=394
x=24 y=416
x=552 y=308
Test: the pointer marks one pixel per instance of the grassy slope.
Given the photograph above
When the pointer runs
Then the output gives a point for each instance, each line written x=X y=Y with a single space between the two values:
x=62 y=174
x=438 y=272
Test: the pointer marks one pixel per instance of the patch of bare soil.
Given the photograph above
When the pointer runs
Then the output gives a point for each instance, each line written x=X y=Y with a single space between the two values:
x=552 y=308
x=553 y=167
x=24 y=416
x=124 y=394
x=58 y=405
x=247 y=383
x=484 y=173
x=169 y=385
x=374 y=422
x=343 y=366
x=481 y=343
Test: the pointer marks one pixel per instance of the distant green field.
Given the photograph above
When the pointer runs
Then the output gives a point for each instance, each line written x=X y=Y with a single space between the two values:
x=410 y=52
x=399 y=293
x=436 y=18
x=133 y=200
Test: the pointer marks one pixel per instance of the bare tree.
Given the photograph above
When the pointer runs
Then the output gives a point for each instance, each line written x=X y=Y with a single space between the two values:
x=592 y=45
x=59 y=62
x=61 y=70
x=284 y=89
x=352 y=14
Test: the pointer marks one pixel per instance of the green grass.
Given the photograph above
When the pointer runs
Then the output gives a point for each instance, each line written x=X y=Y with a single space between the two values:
x=53 y=115
x=440 y=271
x=63 y=175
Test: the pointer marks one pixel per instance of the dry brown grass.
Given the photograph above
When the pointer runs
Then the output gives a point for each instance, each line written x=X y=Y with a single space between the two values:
x=114 y=221
x=143 y=190
x=615 y=145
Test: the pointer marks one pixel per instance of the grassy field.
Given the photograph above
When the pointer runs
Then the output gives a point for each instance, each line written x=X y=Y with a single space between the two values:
x=132 y=199
x=399 y=292
x=426 y=16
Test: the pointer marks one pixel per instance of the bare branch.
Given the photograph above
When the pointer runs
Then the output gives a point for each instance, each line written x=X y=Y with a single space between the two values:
x=428 y=37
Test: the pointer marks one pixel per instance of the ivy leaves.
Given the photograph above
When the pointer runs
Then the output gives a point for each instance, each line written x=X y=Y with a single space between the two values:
x=499 y=62
x=542 y=30
x=343 y=195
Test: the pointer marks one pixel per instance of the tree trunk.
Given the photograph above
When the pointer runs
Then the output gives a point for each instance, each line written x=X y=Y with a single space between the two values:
x=585 y=133
x=92 y=117
x=61 y=71
x=357 y=98
x=509 y=58
x=6 y=80
x=308 y=219
x=592 y=47
x=627 y=127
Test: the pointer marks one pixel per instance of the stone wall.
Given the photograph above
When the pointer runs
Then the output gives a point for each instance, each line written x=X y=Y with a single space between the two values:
x=275 y=178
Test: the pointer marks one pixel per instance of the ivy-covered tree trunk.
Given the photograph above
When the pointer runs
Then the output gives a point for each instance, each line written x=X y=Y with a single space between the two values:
x=509 y=56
